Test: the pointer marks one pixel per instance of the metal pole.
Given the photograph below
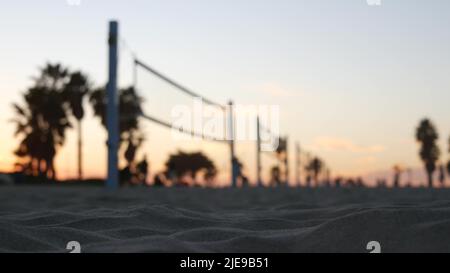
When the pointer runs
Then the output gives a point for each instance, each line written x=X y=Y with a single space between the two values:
x=113 y=108
x=232 y=152
x=135 y=74
x=80 y=152
x=328 y=174
x=286 y=162
x=308 y=172
x=258 y=153
x=297 y=164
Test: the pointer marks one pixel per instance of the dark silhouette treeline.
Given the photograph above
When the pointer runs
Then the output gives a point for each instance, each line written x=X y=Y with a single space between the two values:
x=57 y=97
x=130 y=132
x=55 y=104
x=43 y=119
x=183 y=169
x=49 y=106
x=427 y=136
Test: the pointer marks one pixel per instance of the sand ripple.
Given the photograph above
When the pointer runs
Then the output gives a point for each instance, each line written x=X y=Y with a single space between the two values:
x=43 y=219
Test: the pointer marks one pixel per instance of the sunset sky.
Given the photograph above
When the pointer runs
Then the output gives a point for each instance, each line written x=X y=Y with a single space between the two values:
x=352 y=80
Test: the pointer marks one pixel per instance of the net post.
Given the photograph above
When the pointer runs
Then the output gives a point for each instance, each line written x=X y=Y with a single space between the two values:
x=286 y=162
x=112 y=114
x=135 y=72
x=258 y=152
x=297 y=164
x=232 y=144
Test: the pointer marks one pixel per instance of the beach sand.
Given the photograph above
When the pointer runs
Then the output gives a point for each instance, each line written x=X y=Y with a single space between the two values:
x=45 y=218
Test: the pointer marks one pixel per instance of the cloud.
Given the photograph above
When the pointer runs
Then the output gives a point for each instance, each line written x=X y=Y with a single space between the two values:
x=275 y=90
x=366 y=160
x=345 y=145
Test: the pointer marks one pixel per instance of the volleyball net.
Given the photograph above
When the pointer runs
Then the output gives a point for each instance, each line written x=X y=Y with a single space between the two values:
x=239 y=140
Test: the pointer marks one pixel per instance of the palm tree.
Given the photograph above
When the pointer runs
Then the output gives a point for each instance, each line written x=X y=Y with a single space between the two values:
x=29 y=146
x=427 y=135
x=315 y=166
x=75 y=90
x=42 y=121
x=182 y=163
x=53 y=77
x=129 y=110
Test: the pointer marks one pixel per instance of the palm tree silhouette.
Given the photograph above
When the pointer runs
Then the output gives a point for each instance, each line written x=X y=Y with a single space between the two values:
x=315 y=167
x=42 y=121
x=182 y=163
x=30 y=146
x=427 y=135
x=129 y=110
x=75 y=90
x=397 y=175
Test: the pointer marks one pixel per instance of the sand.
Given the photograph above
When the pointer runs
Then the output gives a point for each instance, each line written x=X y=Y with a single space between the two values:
x=46 y=218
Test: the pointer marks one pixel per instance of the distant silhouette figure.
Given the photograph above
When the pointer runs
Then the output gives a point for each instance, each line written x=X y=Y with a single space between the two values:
x=427 y=135
x=142 y=169
x=338 y=182
x=242 y=179
x=245 y=182
x=359 y=182
x=379 y=183
x=158 y=181
x=308 y=181
x=275 y=176
x=410 y=177
x=125 y=175
x=397 y=174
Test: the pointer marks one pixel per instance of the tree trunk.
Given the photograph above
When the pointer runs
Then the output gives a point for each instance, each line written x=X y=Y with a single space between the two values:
x=80 y=152
x=52 y=168
x=430 y=180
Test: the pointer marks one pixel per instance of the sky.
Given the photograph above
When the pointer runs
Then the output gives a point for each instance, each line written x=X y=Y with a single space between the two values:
x=352 y=80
